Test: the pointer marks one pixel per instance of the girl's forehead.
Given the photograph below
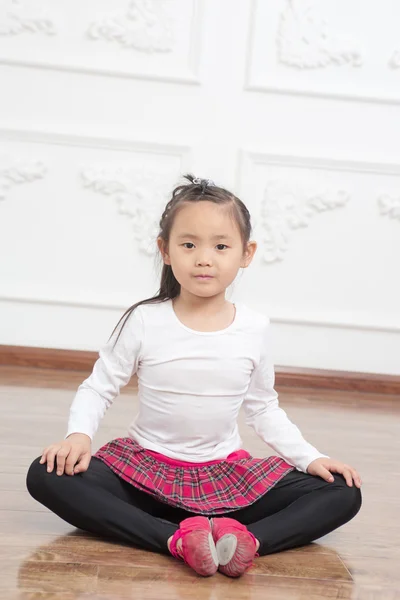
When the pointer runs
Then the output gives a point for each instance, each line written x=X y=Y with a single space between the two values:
x=206 y=218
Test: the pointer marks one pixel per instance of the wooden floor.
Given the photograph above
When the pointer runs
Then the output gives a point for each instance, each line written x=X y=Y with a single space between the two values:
x=43 y=557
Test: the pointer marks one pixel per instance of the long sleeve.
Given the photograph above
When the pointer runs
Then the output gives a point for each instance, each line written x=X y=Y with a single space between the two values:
x=113 y=370
x=268 y=420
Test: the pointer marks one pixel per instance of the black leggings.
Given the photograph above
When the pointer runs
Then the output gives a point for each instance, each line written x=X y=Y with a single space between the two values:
x=299 y=509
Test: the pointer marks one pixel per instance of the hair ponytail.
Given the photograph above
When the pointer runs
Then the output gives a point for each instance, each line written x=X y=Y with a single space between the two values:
x=169 y=288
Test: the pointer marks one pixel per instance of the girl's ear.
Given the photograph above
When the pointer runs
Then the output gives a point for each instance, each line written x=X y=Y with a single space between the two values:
x=162 y=248
x=248 y=254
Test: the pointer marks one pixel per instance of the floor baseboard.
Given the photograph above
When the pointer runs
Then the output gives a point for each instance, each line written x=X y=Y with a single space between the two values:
x=78 y=360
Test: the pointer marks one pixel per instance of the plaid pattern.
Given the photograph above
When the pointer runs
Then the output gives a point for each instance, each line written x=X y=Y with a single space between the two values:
x=212 y=488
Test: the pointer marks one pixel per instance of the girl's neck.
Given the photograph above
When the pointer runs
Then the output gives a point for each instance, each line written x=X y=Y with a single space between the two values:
x=202 y=307
x=213 y=317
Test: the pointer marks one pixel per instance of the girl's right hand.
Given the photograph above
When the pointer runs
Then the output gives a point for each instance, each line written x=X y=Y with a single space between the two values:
x=73 y=454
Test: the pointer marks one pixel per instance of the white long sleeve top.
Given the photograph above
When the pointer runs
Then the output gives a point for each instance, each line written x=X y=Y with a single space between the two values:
x=191 y=386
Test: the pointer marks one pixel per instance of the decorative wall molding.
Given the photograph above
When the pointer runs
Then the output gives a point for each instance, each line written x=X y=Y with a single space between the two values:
x=81 y=299
x=281 y=58
x=389 y=206
x=144 y=27
x=91 y=141
x=304 y=39
x=140 y=197
x=19 y=172
x=189 y=79
x=314 y=162
x=287 y=207
x=16 y=17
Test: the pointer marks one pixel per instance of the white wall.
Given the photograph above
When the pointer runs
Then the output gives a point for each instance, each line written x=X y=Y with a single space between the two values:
x=295 y=105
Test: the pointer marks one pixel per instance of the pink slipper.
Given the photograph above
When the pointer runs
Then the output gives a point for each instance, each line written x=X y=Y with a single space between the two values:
x=198 y=548
x=236 y=546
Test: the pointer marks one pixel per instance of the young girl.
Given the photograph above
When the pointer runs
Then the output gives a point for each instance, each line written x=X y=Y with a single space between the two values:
x=180 y=483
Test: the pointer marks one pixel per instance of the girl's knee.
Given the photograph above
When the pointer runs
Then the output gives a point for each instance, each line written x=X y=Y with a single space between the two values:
x=350 y=497
x=36 y=477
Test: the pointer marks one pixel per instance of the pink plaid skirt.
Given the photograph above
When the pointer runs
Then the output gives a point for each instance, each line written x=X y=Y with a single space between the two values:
x=211 y=488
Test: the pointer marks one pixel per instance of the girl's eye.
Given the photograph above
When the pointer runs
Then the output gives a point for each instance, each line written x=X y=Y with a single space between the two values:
x=186 y=244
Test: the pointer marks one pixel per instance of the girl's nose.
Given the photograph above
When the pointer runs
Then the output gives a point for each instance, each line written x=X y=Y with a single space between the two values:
x=203 y=261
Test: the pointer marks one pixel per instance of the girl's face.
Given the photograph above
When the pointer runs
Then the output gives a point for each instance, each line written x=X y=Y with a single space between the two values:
x=205 y=240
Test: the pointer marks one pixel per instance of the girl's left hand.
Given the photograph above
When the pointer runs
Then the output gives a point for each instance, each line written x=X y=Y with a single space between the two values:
x=323 y=467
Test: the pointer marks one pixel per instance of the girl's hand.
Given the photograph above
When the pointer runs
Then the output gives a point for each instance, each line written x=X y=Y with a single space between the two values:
x=323 y=467
x=73 y=454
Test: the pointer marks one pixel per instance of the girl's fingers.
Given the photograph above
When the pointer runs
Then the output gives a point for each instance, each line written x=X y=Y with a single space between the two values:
x=43 y=457
x=356 y=477
x=351 y=474
x=50 y=458
x=325 y=474
x=61 y=457
x=83 y=463
x=346 y=472
x=71 y=461
x=65 y=458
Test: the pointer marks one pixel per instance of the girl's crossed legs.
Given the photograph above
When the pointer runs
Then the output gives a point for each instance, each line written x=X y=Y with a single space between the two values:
x=300 y=508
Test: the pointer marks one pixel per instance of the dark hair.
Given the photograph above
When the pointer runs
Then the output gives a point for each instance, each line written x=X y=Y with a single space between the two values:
x=197 y=190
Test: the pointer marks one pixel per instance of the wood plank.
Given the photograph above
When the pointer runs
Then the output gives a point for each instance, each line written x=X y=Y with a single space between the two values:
x=41 y=556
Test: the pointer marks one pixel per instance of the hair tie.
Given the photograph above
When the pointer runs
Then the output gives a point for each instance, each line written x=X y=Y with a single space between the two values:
x=203 y=182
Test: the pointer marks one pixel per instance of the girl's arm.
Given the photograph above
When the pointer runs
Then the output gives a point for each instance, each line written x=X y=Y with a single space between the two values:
x=113 y=370
x=269 y=421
